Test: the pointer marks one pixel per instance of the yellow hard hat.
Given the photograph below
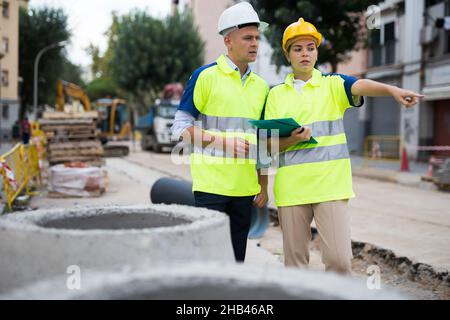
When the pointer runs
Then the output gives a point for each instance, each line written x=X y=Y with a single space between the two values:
x=300 y=28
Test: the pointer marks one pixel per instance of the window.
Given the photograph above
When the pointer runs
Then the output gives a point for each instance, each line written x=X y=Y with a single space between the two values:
x=5 y=111
x=430 y=3
x=375 y=46
x=382 y=45
x=5 y=45
x=5 y=78
x=5 y=9
x=389 y=42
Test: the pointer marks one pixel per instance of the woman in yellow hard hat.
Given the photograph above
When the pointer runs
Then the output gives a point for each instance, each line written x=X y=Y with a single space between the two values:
x=314 y=181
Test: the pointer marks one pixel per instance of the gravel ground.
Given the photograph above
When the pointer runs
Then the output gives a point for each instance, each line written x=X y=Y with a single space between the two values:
x=416 y=281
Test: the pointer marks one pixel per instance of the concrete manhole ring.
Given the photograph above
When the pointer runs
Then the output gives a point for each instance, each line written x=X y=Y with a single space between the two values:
x=45 y=243
x=207 y=281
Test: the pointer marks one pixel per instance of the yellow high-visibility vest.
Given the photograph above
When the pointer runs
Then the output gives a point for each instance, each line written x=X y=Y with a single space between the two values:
x=313 y=173
x=224 y=107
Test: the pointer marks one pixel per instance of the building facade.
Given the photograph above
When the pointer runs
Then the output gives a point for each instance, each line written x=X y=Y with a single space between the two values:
x=410 y=48
x=435 y=40
x=9 y=66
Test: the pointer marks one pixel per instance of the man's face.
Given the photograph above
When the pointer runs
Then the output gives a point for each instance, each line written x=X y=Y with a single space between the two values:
x=303 y=54
x=243 y=43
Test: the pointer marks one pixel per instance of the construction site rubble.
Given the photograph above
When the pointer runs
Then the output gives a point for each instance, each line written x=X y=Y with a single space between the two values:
x=77 y=180
x=72 y=137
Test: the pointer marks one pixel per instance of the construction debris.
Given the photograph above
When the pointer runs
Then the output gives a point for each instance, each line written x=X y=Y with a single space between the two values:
x=443 y=176
x=439 y=173
x=77 y=180
x=72 y=137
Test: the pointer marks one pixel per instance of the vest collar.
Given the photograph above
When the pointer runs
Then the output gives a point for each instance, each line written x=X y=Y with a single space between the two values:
x=314 y=81
x=223 y=64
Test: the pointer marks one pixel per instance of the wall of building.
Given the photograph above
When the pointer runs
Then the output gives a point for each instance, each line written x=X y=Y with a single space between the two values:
x=9 y=100
x=206 y=15
x=355 y=119
x=435 y=114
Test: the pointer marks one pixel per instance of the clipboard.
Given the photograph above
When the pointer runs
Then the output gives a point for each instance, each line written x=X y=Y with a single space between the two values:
x=285 y=127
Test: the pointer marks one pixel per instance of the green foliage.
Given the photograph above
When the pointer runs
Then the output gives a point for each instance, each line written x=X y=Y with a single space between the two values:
x=101 y=88
x=338 y=21
x=71 y=73
x=104 y=85
x=100 y=66
x=39 y=28
x=148 y=53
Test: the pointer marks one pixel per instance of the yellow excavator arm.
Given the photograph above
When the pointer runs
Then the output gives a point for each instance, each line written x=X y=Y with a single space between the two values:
x=72 y=90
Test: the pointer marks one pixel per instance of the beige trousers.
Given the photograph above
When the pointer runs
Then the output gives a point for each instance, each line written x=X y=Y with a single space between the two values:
x=333 y=225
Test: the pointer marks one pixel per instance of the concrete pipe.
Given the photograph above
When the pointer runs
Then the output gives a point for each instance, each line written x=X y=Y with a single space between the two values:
x=169 y=191
x=172 y=191
x=206 y=281
x=45 y=243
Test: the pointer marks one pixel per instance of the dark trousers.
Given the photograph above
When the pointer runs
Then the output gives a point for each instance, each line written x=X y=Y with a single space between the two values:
x=239 y=209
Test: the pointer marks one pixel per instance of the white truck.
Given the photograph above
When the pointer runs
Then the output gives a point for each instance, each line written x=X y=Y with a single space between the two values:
x=155 y=126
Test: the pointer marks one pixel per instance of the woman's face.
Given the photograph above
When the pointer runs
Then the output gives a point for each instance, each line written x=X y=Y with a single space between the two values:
x=302 y=54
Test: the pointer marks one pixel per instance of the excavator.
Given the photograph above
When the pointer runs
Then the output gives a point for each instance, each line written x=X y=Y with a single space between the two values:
x=115 y=117
x=67 y=89
x=115 y=124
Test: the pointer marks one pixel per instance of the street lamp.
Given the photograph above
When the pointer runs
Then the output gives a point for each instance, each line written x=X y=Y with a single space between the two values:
x=36 y=64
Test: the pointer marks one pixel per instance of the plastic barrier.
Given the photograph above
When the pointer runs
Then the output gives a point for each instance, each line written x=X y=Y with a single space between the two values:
x=19 y=167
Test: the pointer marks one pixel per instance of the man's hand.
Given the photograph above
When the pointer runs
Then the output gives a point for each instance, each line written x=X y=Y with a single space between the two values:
x=236 y=147
x=406 y=98
x=261 y=198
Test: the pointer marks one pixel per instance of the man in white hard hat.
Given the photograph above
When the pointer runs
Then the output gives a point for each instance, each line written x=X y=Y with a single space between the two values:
x=221 y=98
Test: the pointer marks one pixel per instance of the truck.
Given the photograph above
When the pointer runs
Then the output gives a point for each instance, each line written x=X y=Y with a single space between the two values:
x=155 y=125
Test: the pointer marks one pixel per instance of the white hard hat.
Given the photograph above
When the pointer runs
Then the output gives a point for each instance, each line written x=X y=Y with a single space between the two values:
x=238 y=15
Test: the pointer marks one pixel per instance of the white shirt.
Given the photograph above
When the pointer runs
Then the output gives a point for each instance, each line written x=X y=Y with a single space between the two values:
x=299 y=84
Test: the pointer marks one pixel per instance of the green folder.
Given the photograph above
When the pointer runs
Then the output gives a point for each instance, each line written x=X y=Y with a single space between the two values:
x=285 y=126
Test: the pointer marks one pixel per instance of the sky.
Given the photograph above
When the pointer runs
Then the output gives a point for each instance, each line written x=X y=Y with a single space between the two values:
x=88 y=20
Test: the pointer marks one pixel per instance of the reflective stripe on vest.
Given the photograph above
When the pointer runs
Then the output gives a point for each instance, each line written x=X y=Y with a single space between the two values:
x=230 y=125
x=327 y=128
x=225 y=123
x=212 y=152
x=317 y=154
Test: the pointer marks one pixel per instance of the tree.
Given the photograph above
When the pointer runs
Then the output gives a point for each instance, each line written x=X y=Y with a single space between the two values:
x=148 y=53
x=100 y=88
x=103 y=84
x=39 y=28
x=100 y=66
x=339 y=22
x=71 y=72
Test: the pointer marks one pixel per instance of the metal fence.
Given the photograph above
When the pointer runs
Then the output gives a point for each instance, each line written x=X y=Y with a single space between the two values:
x=20 y=167
x=382 y=148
